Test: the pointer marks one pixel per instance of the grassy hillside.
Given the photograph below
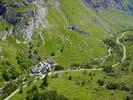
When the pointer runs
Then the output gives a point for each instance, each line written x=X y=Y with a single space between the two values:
x=89 y=85
x=70 y=46
x=66 y=47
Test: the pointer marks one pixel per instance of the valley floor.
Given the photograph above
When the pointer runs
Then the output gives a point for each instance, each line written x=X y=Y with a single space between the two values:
x=84 y=81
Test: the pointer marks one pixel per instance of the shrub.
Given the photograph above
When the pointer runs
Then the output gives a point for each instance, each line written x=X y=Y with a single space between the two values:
x=100 y=82
x=70 y=78
x=58 y=67
x=108 y=69
x=111 y=86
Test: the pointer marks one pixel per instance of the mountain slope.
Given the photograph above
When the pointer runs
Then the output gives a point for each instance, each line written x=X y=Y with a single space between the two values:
x=66 y=31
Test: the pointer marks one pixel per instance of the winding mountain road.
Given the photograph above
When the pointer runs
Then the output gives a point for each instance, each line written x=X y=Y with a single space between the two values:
x=124 y=47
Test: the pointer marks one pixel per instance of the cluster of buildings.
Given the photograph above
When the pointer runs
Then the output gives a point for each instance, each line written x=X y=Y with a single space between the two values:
x=42 y=67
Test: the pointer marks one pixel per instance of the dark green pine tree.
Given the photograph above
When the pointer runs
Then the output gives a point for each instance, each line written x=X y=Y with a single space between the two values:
x=45 y=82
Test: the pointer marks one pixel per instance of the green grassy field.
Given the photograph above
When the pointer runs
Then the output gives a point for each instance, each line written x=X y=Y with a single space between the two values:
x=75 y=89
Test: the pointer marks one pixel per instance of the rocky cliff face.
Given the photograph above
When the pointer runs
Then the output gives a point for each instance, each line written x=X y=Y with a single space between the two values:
x=3 y=8
x=25 y=22
x=37 y=20
x=117 y=4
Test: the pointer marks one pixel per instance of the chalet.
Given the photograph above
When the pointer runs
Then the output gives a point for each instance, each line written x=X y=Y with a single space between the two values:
x=42 y=67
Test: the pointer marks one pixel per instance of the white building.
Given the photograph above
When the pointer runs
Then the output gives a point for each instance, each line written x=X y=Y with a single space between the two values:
x=42 y=67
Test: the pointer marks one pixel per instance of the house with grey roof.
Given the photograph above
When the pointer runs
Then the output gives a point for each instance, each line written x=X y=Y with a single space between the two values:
x=42 y=67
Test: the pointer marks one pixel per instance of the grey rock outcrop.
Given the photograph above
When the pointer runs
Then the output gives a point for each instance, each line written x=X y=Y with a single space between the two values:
x=3 y=9
x=28 y=1
x=27 y=22
x=11 y=17
x=36 y=21
x=77 y=29
x=117 y=4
